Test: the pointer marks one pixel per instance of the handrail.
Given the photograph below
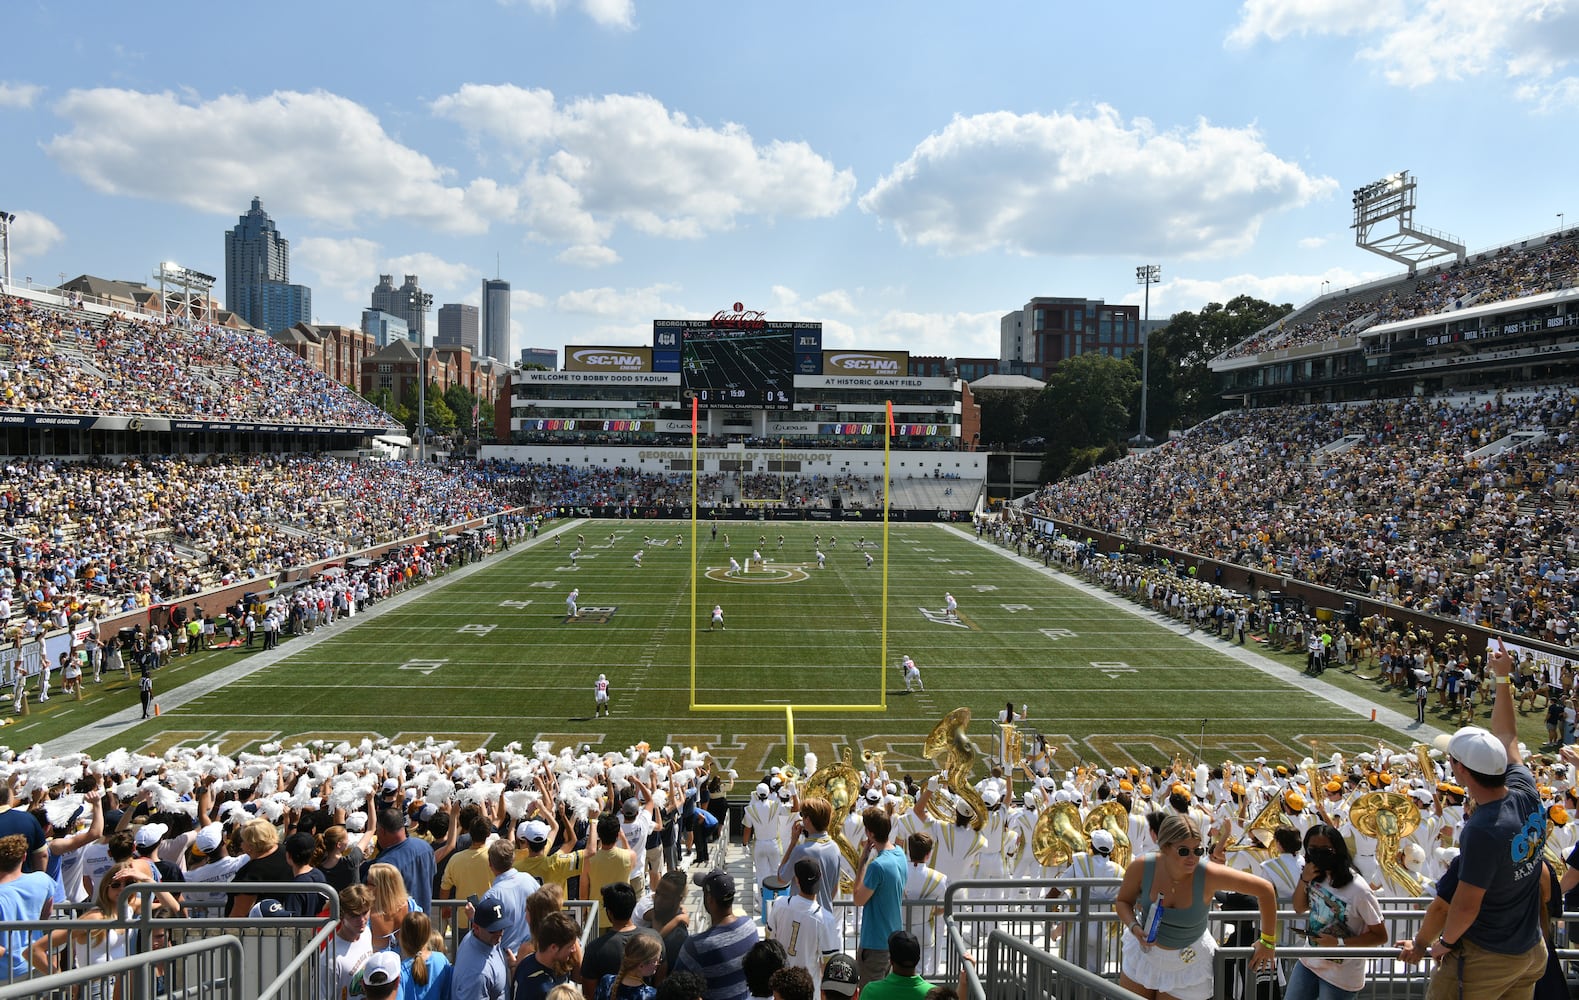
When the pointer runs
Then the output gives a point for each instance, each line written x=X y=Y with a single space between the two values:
x=307 y=954
x=969 y=977
x=139 y=964
x=1088 y=983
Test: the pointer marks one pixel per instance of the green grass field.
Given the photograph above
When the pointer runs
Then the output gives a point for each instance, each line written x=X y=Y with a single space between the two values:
x=491 y=658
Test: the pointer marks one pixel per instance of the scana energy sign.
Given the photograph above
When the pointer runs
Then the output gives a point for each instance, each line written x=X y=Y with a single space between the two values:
x=609 y=359
x=865 y=362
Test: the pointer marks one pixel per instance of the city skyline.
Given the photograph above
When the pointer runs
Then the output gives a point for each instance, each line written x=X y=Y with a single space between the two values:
x=905 y=175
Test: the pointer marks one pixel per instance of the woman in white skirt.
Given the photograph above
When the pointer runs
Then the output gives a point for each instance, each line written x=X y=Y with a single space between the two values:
x=1163 y=903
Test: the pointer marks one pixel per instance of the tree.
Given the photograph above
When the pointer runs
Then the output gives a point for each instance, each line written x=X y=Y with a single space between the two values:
x=1085 y=409
x=1182 y=389
x=384 y=399
x=460 y=399
x=440 y=417
x=1004 y=416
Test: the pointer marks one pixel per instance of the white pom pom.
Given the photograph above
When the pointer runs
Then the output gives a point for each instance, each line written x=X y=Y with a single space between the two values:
x=519 y=804
x=440 y=791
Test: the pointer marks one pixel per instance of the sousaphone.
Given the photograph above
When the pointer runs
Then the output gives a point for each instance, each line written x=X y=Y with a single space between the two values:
x=951 y=750
x=1114 y=818
x=839 y=783
x=1389 y=818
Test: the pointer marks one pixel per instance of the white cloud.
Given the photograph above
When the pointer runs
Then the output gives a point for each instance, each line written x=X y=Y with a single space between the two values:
x=631 y=304
x=348 y=267
x=1278 y=19
x=588 y=255
x=33 y=235
x=1180 y=294
x=953 y=335
x=1313 y=242
x=435 y=273
x=594 y=164
x=19 y=95
x=316 y=155
x=604 y=13
x=1418 y=42
x=1067 y=184
x=787 y=300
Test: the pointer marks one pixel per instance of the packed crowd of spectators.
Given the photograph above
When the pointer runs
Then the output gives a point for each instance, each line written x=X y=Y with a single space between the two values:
x=72 y=361
x=1401 y=512
x=84 y=538
x=1501 y=276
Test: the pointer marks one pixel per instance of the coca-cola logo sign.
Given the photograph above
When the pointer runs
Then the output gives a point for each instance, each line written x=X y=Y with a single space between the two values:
x=739 y=318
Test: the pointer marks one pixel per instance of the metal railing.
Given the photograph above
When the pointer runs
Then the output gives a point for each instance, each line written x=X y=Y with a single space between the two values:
x=1017 y=970
x=282 y=957
x=209 y=968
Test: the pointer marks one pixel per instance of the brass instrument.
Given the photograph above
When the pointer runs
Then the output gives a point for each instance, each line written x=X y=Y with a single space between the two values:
x=1427 y=766
x=840 y=784
x=1259 y=832
x=1389 y=818
x=1114 y=818
x=1013 y=747
x=1058 y=835
x=948 y=741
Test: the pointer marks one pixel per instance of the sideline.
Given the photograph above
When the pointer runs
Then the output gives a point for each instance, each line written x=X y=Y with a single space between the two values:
x=1398 y=722
x=120 y=722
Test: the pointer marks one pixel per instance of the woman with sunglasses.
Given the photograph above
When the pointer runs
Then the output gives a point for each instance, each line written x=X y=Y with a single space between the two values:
x=1163 y=904
x=1342 y=913
x=89 y=946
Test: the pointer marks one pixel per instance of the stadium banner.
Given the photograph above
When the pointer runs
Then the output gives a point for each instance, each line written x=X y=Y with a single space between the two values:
x=884 y=363
x=597 y=378
x=24 y=661
x=608 y=359
x=886 y=382
x=587 y=424
x=160 y=425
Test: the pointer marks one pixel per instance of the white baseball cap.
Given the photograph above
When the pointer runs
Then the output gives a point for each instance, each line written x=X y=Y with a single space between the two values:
x=1101 y=841
x=1479 y=750
x=150 y=834
x=208 y=838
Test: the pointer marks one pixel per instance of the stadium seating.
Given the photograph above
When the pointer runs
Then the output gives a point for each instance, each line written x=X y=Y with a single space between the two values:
x=1456 y=505
x=101 y=538
x=72 y=361
x=1493 y=277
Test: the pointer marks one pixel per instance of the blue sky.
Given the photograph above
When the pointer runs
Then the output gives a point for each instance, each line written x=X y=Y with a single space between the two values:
x=903 y=172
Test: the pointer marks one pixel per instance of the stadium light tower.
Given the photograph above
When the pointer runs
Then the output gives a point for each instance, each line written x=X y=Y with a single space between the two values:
x=1393 y=197
x=424 y=302
x=6 y=218
x=1148 y=275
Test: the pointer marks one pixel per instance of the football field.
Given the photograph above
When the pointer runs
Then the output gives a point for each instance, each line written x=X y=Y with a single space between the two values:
x=492 y=657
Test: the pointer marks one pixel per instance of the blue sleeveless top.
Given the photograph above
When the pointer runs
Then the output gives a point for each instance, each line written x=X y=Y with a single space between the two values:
x=1180 y=927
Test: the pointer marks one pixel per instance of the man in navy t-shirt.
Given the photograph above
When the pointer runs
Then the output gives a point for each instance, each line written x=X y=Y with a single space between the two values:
x=1491 y=944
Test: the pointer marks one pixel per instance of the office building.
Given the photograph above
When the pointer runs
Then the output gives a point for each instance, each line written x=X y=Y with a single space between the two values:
x=383 y=327
x=457 y=327
x=547 y=357
x=258 y=274
x=409 y=302
x=496 y=319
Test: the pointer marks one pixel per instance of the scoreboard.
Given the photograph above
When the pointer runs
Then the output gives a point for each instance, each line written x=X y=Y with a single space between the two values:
x=738 y=359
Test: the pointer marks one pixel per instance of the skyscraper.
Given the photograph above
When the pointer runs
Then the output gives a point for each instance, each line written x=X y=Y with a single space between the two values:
x=409 y=302
x=496 y=319
x=457 y=326
x=258 y=274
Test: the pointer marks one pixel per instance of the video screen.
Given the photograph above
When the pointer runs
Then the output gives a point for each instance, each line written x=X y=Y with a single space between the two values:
x=741 y=368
